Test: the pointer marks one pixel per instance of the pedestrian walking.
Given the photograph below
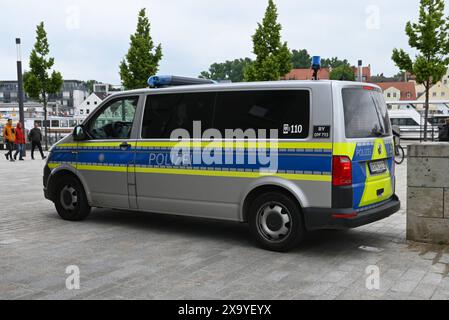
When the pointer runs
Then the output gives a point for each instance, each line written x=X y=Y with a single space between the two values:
x=9 y=138
x=35 y=136
x=19 y=142
x=444 y=132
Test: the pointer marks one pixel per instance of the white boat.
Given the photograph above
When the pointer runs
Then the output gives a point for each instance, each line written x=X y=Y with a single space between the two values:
x=411 y=124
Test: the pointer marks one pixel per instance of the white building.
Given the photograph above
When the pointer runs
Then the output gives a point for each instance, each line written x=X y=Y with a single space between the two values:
x=90 y=104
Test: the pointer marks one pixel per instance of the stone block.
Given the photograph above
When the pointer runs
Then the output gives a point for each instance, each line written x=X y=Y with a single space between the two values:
x=428 y=230
x=428 y=172
x=425 y=202
x=429 y=149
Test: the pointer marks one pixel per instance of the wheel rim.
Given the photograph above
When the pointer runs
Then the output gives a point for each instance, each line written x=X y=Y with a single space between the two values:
x=69 y=198
x=274 y=222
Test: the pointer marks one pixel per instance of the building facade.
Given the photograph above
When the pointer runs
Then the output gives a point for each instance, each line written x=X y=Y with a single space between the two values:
x=90 y=104
x=438 y=92
x=398 y=91
x=63 y=103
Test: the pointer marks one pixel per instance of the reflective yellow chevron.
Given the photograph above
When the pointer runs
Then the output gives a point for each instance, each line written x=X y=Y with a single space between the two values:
x=345 y=149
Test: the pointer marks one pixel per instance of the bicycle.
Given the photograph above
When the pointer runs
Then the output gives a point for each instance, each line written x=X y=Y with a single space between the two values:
x=399 y=153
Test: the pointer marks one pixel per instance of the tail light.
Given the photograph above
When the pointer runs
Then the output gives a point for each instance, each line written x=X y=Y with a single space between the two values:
x=341 y=171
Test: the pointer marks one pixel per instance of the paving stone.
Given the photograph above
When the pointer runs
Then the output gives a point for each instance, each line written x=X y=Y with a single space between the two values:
x=128 y=255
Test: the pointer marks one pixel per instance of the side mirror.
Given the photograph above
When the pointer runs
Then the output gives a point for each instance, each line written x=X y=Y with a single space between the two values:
x=79 y=133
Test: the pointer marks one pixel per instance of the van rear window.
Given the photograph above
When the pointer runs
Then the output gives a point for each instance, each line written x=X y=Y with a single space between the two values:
x=366 y=114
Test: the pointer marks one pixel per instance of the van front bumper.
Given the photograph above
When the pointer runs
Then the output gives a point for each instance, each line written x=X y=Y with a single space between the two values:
x=319 y=218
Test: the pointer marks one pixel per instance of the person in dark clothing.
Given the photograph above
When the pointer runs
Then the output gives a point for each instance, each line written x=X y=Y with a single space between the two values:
x=444 y=132
x=35 y=136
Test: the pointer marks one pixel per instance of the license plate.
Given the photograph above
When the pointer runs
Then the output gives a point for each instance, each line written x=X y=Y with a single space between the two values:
x=377 y=167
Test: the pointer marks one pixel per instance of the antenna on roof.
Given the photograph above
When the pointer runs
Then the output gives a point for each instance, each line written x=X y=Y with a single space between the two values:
x=316 y=66
x=171 y=81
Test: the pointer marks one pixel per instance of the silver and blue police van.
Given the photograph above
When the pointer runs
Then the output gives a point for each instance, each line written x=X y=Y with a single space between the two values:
x=285 y=157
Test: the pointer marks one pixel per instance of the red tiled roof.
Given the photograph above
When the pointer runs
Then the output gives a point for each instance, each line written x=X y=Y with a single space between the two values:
x=403 y=87
x=323 y=74
x=366 y=73
x=307 y=74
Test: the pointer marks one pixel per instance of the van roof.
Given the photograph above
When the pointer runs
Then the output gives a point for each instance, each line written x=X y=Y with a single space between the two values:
x=285 y=84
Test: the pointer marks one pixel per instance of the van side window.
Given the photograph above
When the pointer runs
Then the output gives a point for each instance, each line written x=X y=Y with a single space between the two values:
x=288 y=111
x=165 y=113
x=115 y=120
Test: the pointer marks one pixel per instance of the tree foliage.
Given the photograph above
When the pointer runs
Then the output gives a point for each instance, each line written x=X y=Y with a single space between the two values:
x=273 y=58
x=342 y=72
x=233 y=70
x=334 y=62
x=90 y=85
x=229 y=70
x=38 y=82
x=301 y=59
x=143 y=57
x=430 y=37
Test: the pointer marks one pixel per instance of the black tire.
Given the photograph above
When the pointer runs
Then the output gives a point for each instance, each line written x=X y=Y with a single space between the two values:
x=76 y=208
x=399 y=155
x=267 y=222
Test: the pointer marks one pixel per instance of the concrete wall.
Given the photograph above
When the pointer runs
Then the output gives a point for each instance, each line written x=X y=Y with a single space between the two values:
x=428 y=193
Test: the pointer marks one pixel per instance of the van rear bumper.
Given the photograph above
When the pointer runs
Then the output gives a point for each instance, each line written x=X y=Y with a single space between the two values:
x=320 y=218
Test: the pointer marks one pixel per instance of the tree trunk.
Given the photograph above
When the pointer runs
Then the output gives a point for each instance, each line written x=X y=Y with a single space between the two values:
x=45 y=120
x=426 y=110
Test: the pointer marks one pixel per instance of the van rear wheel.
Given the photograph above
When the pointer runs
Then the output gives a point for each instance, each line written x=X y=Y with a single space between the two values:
x=70 y=199
x=275 y=222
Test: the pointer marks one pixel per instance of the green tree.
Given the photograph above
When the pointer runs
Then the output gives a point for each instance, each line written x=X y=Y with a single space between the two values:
x=334 y=63
x=229 y=70
x=342 y=72
x=429 y=36
x=38 y=82
x=143 y=57
x=90 y=85
x=301 y=59
x=274 y=58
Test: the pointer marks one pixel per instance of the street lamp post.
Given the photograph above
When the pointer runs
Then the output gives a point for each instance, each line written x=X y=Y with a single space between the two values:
x=20 y=86
x=360 y=71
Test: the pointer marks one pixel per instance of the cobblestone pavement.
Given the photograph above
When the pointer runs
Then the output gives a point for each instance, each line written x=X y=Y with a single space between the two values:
x=149 y=256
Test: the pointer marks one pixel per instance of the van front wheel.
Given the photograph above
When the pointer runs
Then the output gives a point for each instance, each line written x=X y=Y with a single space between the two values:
x=275 y=222
x=70 y=199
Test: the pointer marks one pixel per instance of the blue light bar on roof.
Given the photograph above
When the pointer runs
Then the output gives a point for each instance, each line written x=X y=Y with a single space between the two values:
x=157 y=81
x=169 y=81
x=316 y=62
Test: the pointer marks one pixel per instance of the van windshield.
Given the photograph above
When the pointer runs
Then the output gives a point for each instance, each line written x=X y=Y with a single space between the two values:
x=366 y=114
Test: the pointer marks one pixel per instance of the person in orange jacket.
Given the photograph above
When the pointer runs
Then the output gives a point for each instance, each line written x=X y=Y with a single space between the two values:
x=9 y=138
x=19 y=142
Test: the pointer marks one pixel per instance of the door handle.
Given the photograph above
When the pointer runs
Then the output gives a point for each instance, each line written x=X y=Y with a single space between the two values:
x=125 y=146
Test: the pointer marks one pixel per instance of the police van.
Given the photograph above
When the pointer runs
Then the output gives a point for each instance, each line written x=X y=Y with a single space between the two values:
x=302 y=156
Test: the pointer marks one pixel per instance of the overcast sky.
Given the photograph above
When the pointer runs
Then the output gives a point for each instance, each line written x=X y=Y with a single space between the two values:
x=88 y=38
